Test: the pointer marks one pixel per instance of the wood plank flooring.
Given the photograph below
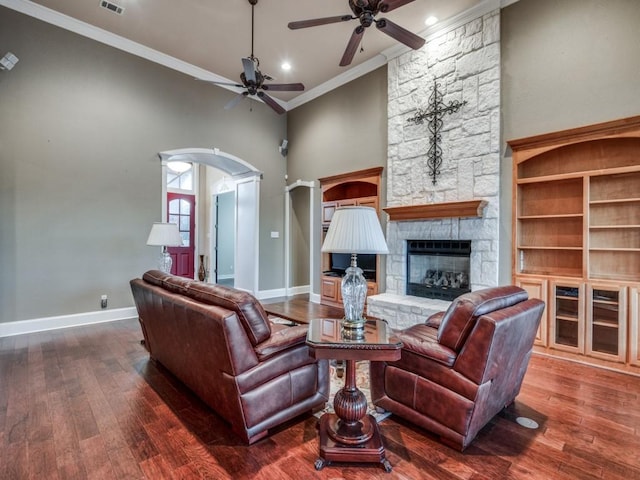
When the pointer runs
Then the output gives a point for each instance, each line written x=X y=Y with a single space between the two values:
x=86 y=402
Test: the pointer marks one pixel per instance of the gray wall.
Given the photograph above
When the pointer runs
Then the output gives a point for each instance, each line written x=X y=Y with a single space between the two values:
x=300 y=237
x=81 y=124
x=342 y=131
x=565 y=64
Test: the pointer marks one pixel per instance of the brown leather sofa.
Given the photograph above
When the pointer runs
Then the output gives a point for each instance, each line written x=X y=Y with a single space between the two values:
x=463 y=366
x=220 y=343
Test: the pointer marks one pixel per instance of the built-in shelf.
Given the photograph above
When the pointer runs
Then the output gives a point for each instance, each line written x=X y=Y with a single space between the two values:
x=470 y=208
x=576 y=242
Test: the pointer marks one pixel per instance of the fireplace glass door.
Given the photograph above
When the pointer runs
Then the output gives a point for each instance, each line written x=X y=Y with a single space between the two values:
x=438 y=268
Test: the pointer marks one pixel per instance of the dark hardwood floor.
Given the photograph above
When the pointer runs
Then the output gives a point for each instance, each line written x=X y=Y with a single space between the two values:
x=86 y=402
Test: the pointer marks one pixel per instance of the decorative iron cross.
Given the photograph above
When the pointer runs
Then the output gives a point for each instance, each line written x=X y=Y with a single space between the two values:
x=437 y=109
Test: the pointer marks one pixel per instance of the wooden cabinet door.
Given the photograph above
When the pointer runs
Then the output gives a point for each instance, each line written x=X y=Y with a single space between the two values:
x=328 y=209
x=330 y=289
x=566 y=315
x=606 y=328
x=634 y=328
x=537 y=288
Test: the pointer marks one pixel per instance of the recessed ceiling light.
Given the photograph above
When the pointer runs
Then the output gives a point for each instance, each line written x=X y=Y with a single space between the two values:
x=285 y=66
x=431 y=21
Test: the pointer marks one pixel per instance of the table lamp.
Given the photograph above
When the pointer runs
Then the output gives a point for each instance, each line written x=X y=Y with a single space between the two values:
x=354 y=230
x=164 y=235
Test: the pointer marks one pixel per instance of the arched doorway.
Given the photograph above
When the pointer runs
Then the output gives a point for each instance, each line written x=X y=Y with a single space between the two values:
x=299 y=233
x=245 y=179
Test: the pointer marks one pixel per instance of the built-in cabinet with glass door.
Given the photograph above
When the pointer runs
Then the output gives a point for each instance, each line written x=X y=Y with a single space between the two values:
x=360 y=188
x=576 y=238
x=634 y=319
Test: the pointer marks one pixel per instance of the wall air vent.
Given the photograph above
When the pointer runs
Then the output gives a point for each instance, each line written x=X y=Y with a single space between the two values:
x=112 y=7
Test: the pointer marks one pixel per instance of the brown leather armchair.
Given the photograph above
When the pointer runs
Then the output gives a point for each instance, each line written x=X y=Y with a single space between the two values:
x=220 y=343
x=463 y=366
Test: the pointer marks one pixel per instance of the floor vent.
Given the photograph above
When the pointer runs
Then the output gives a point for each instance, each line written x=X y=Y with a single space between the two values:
x=112 y=7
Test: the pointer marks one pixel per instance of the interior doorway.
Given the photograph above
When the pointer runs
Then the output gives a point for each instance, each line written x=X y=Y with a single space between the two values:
x=225 y=237
x=300 y=239
x=246 y=180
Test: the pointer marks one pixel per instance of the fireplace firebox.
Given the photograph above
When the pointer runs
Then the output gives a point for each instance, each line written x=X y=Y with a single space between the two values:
x=438 y=268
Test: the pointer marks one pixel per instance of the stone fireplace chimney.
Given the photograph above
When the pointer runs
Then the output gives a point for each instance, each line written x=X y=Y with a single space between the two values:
x=465 y=61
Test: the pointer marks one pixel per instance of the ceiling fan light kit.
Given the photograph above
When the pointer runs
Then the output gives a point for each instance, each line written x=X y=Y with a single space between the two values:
x=253 y=79
x=365 y=11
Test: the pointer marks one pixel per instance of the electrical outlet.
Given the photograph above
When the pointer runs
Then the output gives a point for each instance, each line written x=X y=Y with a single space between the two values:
x=103 y=301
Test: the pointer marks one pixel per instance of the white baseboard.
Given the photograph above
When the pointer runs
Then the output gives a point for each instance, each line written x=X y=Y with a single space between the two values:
x=299 y=290
x=282 y=292
x=65 y=321
x=78 y=319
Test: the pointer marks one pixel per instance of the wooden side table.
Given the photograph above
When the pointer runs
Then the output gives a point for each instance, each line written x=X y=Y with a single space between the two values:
x=351 y=435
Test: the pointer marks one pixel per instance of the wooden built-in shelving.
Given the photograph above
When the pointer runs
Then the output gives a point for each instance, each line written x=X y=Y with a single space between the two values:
x=360 y=188
x=576 y=226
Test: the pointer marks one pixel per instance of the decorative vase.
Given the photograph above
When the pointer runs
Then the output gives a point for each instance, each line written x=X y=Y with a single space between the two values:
x=202 y=272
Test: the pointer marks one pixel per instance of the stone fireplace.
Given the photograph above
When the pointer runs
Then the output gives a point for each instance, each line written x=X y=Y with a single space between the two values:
x=463 y=204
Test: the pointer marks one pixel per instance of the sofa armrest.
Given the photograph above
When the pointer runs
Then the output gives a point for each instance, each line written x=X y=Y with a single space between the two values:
x=281 y=339
x=434 y=320
x=421 y=340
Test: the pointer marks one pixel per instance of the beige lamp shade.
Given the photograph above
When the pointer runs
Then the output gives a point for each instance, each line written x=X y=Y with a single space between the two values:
x=355 y=230
x=164 y=235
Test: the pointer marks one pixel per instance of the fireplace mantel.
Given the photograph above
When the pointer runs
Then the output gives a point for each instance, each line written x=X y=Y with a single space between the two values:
x=469 y=208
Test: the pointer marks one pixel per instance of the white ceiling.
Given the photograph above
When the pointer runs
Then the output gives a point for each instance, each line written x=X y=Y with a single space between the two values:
x=207 y=38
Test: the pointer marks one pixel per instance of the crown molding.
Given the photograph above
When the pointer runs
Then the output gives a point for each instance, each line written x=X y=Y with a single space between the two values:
x=339 y=80
x=82 y=28
x=116 y=41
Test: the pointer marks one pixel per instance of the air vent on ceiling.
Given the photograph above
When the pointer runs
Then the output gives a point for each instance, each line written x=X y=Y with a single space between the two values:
x=112 y=7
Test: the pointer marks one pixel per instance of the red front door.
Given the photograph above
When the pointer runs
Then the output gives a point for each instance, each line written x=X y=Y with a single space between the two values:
x=181 y=210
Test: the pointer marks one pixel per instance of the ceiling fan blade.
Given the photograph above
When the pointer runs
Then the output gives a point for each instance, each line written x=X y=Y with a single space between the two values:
x=249 y=70
x=388 y=5
x=284 y=87
x=227 y=84
x=271 y=102
x=234 y=101
x=319 y=21
x=352 y=46
x=399 y=33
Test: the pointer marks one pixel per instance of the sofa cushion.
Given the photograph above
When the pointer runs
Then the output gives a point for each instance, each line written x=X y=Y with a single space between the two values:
x=249 y=310
x=461 y=315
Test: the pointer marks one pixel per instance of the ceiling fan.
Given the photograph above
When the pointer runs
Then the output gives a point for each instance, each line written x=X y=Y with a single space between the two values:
x=253 y=80
x=365 y=11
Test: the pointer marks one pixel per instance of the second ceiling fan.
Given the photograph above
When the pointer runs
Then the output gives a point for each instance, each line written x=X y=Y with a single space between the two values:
x=365 y=11
x=253 y=80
